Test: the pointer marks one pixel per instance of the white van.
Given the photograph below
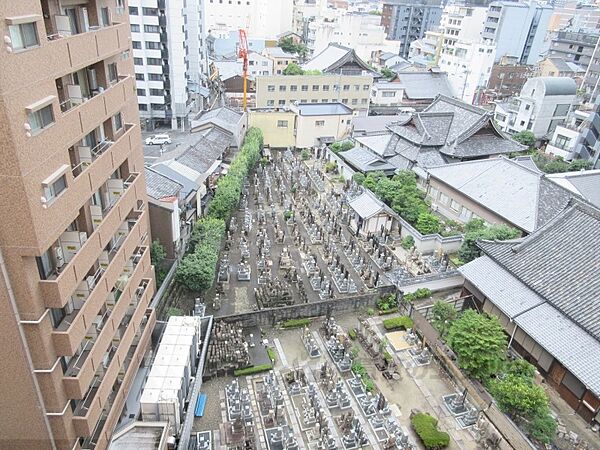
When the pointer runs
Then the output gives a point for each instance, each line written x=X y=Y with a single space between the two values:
x=158 y=139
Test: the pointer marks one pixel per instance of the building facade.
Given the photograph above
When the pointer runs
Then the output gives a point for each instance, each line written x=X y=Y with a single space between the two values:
x=260 y=18
x=170 y=59
x=517 y=29
x=507 y=79
x=544 y=103
x=76 y=278
x=407 y=21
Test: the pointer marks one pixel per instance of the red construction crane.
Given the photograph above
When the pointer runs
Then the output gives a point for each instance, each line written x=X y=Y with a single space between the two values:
x=243 y=53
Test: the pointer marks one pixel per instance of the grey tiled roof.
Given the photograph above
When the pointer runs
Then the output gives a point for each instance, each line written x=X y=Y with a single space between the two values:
x=367 y=205
x=202 y=155
x=377 y=143
x=521 y=196
x=585 y=183
x=562 y=338
x=159 y=186
x=365 y=160
x=373 y=124
x=560 y=262
x=527 y=161
x=223 y=117
x=424 y=85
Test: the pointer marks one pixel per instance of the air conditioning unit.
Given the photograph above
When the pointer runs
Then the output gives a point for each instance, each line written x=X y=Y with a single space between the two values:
x=59 y=257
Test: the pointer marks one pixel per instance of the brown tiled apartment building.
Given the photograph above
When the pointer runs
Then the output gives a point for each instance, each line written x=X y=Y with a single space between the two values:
x=75 y=272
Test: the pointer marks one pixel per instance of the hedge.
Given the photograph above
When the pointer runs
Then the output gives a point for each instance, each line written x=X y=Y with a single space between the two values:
x=398 y=323
x=426 y=428
x=272 y=354
x=295 y=323
x=252 y=369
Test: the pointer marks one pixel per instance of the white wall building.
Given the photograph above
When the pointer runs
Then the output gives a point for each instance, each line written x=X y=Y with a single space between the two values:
x=566 y=137
x=260 y=18
x=542 y=106
x=259 y=64
x=387 y=94
x=169 y=68
x=463 y=54
x=517 y=29
x=360 y=31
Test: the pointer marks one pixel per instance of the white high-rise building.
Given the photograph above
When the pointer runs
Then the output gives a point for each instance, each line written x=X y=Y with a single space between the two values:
x=462 y=52
x=170 y=59
x=260 y=18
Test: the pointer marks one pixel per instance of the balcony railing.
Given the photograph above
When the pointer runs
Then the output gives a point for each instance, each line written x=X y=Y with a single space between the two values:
x=73 y=102
x=66 y=322
x=96 y=152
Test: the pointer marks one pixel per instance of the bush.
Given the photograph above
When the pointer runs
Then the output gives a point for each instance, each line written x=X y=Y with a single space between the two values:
x=423 y=293
x=370 y=312
x=368 y=383
x=295 y=323
x=427 y=223
x=272 y=354
x=543 y=427
x=478 y=230
x=408 y=242
x=341 y=146
x=252 y=370
x=426 y=428
x=304 y=155
x=287 y=214
x=330 y=166
x=359 y=178
x=358 y=369
x=352 y=334
x=398 y=323
x=387 y=303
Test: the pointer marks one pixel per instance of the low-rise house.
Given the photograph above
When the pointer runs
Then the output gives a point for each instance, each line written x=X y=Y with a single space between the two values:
x=321 y=123
x=554 y=66
x=166 y=204
x=385 y=93
x=370 y=215
x=278 y=126
x=544 y=290
x=280 y=58
x=259 y=64
x=585 y=184
x=543 y=104
x=225 y=119
x=389 y=60
x=497 y=190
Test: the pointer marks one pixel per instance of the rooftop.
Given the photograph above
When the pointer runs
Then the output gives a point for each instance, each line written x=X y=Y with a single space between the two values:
x=373 y=124
x=521 y=196
x=223 y=117
x=278 y=52
x=337 y=58
x=160 y=186
x=367 y=205
x=585 y=183
x=424 y=85
x=141 y=435
x=323 y=109
x=366 y=161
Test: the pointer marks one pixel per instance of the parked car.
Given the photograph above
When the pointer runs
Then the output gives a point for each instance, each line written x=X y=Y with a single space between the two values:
x=158 y=139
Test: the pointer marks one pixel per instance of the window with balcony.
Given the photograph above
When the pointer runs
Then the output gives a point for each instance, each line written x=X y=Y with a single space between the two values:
x=41 y=118
x=153 y=61
x=133 y=11
x=117 y=122
x=152 y=45
x=151 y=29
x=23 y=36
x=135 y=28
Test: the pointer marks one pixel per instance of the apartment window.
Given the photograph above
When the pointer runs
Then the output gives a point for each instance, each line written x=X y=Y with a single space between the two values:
x=117 y=121
x=150 y=11
x=270 y=102
x=363 y=101
x=135 y=28
x=443 y=198
x=281 y=103
x=41 y=118
x=561 y=110
x=157 y=107
x=527 y=107
x=282 y=88
x=153 y=61
x=303 y=100
x=271 y=88
x=562 y=141
x=151 y=29
x=454 y=205
x=365 y=87
x=154 y=77
x=143 y=107
x=45 y=269
x=305 y=87
x=139 y=76
x=55 y=188
x=133 y=11
x=112 y=72
x=23 y=36
x=152 y=45
x=138 y=61
x=105 y=15
x=355 y=101
x=325 y=100
x=346 y=87
x=357 y=87
x=319 y=123
x=325 y=87
x=293 y=88
x=345 y=101
x=136 y=45
x=388 y=94
x=314 y=100
x=159 y=92
x=315 y=87
x=282 y=124
x=466 y=214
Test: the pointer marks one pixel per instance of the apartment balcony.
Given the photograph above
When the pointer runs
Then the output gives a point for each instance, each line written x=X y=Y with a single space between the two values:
x=62 y=54
x=58 y=289
x=85 y=112
x=108 y=391
x=74 y=328
x=83 y=365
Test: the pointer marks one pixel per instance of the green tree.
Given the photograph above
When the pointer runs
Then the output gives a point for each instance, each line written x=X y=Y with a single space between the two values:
x=157 y=254
x=525 y=137
x=293 y=69
x=443 y=316
x=518 y=396
x=469 y=250
x=359 y=178
x=287 y=44
x=479 y=342
x=196 y=271
x=542 y=427
x=557 y=166
x=304 y=155
x=520 y=368
x=580 y=164
x=408 y=242
x=428 y=223
x=387 y=73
